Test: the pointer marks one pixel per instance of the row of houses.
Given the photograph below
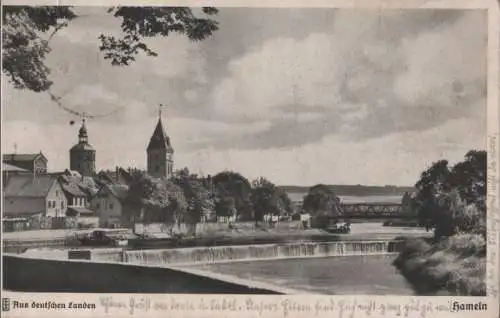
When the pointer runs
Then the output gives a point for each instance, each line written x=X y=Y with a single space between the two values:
x=32 y=197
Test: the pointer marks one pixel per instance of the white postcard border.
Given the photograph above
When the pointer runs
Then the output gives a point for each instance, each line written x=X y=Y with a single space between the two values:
x=295 y=305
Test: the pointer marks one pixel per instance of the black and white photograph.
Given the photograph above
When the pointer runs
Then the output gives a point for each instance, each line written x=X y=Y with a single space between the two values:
x=244 y=150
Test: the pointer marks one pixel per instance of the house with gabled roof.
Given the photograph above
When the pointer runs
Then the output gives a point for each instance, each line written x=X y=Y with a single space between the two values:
x=78 y=193
x=27 y=195
x=110 y=204
x=36 y=163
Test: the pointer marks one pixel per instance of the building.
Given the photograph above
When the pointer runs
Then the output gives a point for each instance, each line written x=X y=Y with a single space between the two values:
x=82 y=155
x=75 y=196
x=10 y=170
x=160 y=153
x=109 y=204
x=78 y=203
x=26 y=195
x=119 y=176
x=36 y=163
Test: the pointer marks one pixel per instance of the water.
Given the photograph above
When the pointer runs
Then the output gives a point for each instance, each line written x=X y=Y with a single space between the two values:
x=217 y=254
x=298 y=197
x=373 y=275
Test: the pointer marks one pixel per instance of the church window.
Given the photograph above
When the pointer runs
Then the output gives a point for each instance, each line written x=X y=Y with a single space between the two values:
x=111 y=206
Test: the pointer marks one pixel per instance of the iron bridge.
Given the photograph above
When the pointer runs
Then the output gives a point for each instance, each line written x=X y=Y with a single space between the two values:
x=374 y=211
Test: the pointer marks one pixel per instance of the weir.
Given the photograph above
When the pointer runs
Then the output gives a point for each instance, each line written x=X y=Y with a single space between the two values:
x=219 y=254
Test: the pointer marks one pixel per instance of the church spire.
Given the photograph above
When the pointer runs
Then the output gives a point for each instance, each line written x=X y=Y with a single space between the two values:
x=159 y=139
x=82 y=133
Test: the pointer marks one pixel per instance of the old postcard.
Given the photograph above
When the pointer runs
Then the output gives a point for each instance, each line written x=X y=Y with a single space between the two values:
x=263 y=159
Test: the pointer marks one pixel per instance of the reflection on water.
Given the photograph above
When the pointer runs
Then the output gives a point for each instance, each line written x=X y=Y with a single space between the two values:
x=332 y=275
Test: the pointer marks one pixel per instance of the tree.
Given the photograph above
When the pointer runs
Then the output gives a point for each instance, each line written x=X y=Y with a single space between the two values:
x=432 y=184
x=198 y=198
x=453 y=200
x=24 y=50
x=26 y=44
x=146 y=195
x=267 y=198
x=321 y=201
x=469 y=178
x=228 y=184
x=177 y=206
x=225 y=205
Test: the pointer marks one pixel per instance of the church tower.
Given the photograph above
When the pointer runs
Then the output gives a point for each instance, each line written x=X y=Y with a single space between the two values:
x=160 y=153
x=82 y=155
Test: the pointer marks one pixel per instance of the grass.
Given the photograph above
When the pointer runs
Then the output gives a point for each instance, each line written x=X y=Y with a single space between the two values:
x=456 y=265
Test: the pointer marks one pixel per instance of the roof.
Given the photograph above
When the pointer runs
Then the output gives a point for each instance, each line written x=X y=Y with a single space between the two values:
x=82 y=132
x=9 y=167
x=81 y=211
x=120 y=191
x=77 y=185
x=22 y=157
x=73 y=189
x=119 y=176
x=29 y=186
x=159 y=139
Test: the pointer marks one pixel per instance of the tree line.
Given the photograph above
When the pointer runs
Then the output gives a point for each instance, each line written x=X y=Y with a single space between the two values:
x=190 y=198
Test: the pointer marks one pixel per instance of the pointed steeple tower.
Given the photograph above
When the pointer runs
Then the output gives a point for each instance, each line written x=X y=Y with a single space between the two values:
x=160 y=152
x=159 y=139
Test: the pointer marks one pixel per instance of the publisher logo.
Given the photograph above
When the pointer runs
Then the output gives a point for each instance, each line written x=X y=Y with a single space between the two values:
x=5 y=304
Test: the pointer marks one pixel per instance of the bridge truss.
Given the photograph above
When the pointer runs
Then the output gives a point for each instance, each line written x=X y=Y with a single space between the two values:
x=374 y=210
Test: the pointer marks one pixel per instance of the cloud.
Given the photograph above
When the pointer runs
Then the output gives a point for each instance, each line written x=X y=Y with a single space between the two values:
x=367 y=76
x=397 y=158
x=444 y=66
x=283 y=71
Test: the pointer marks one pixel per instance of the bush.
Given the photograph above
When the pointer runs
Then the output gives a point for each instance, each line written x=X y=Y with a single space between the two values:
x=456 y=264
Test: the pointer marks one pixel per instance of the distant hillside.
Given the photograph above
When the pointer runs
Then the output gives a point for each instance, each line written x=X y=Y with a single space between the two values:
x=355 y=190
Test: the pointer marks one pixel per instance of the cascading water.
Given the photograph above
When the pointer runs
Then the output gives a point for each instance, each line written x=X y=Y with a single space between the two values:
x=207 y=255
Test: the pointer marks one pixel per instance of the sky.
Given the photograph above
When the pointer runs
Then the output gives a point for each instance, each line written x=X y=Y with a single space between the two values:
x=299 y=96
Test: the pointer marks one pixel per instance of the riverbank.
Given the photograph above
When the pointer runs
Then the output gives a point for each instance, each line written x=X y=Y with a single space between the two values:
x=358 y=230
x=241 y=236
x=456 y=265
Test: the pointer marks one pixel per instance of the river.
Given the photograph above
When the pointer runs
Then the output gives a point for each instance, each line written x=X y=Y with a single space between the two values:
x=345 y=275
